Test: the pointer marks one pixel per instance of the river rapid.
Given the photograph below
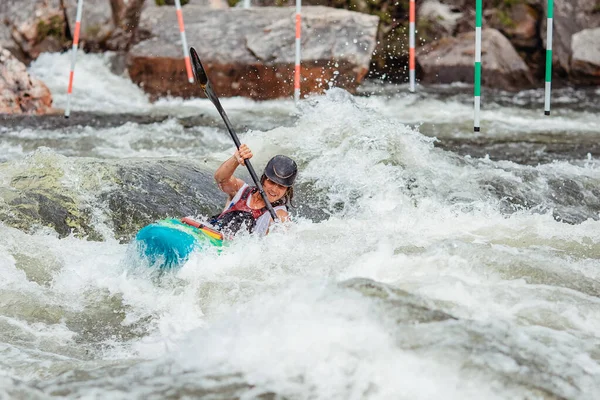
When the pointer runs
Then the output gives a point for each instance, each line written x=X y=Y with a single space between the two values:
x=424 y=262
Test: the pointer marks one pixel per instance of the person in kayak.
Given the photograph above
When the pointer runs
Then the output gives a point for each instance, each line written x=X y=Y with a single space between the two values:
x=245 y=208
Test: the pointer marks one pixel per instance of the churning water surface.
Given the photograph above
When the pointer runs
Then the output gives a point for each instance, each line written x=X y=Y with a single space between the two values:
x=424 y=262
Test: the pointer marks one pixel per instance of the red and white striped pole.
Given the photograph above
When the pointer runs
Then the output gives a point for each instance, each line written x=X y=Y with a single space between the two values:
x=298 y=42
x=74 y=56
x=186 y=51
x=411 y=57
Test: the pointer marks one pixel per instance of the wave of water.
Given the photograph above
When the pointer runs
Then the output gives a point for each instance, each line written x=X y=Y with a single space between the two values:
x=425 y=280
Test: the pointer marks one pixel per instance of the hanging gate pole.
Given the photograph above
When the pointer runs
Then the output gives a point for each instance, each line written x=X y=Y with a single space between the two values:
x=411 y=57
x=74 y=56
x=549 y=57
x=186 y=54
x=478 y=11
x=298 y=45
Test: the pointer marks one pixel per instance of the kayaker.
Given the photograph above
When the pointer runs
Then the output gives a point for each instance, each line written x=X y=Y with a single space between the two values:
x=245 y=208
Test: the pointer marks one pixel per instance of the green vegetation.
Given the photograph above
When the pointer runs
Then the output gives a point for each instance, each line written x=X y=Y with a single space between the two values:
x=505 y=18
x=52 y=27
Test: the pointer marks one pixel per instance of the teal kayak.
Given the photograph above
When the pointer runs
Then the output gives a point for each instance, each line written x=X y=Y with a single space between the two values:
x=168 y=243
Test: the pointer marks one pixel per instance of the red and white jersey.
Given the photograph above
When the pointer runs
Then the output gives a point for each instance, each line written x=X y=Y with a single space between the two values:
x=241 y=202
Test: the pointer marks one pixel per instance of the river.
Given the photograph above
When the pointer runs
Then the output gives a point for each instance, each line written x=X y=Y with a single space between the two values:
x=425 y=261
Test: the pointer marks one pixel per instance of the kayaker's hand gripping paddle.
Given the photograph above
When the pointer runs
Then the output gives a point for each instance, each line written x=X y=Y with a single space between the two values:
x=202 y=79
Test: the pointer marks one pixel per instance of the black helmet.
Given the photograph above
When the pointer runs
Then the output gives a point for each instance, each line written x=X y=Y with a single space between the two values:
x=281 y=170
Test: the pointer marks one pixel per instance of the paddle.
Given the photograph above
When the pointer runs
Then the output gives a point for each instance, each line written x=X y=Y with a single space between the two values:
x=202 y=79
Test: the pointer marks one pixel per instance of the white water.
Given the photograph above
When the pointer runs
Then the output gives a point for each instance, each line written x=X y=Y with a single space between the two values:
x=269 y=314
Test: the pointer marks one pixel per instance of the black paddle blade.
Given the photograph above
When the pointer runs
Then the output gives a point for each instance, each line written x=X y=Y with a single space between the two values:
x=198 y=69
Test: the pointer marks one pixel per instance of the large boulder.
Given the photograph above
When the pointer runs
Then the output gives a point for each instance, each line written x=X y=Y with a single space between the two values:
x=35 y=26
x=585 y=62
x=121 y=194
x=20 y=92
x=451 y=60
x=250 y=52
x=570 y=17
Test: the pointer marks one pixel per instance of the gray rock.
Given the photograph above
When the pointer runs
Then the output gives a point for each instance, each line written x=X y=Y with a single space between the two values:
x=520 y=25
x=570 y=17
x=250 y=52
x=20 y=92
x=585 y=62
x=96 y=19
x=6 y=40
x=33 y=26
x=451 y=60
x=215 y=4
x=121 y=195
x=441 y=16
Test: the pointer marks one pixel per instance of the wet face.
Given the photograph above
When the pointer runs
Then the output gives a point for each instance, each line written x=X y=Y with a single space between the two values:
x=273 y=190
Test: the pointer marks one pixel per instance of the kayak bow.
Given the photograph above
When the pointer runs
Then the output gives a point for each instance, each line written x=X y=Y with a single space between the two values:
x=168 y=243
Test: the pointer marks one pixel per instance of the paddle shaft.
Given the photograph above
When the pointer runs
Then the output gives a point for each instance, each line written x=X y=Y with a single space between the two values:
x=202 y=79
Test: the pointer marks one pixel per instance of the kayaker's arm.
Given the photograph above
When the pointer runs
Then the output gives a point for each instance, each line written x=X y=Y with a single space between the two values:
x=224 y=174
x=283 y=215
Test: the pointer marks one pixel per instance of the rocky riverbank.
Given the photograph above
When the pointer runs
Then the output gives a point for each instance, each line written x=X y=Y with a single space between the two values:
x=251 y=52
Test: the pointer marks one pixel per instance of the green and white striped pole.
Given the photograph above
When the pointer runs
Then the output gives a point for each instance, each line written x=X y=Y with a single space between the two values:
x=411 y=46
x=478 y=12
x=549 y=57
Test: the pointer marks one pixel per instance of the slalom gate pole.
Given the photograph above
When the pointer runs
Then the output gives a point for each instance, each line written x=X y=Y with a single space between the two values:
x=411 y=57
x=298 y=46
x=74 y=56
x=186 y=54
x=548 y=88
x=478 y=12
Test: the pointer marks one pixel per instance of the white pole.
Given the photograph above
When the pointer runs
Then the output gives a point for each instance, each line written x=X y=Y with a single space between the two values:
x=411 y=61
x=478 y=23
x=549 y=57
x=298 y=43
x=74 y=56
x=186 y=51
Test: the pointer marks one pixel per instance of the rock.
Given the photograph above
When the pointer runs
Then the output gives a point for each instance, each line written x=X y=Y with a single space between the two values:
x=519 y=24
x=6 y=40
x=585 y=62
x=214 y=4
x=570 y=17
x=96 y=20
x=451 y=60
x=35 y=26
x=250 y=52
x=20 y=92
x=178 y=189
x=441 y=19
x=121 y=195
